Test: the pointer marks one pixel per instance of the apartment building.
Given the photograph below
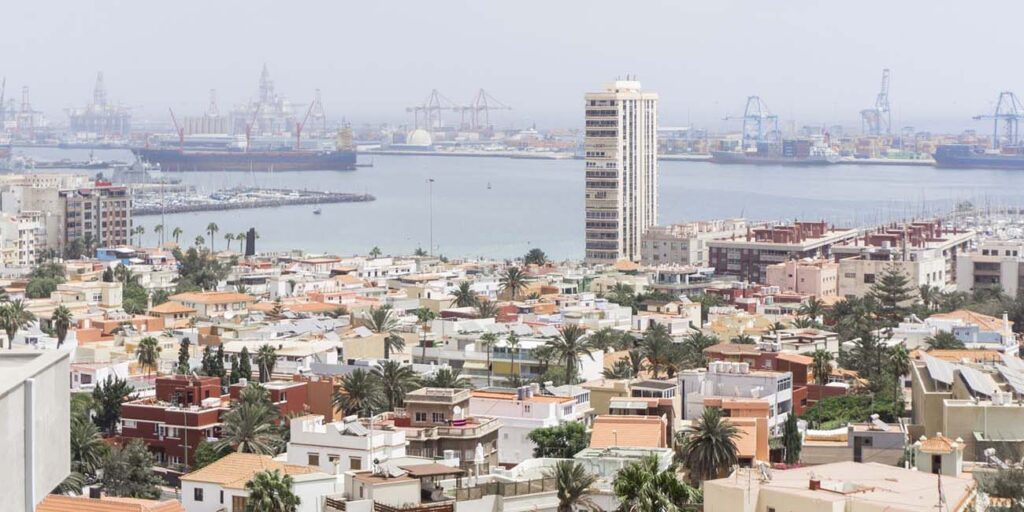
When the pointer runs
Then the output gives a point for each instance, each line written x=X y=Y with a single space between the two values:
x=621 y=150
x=748 y=257
x=994 y=263
x=817 y=278
x=220 y=486
x=101 y=212
x=209 y=305
x=339 y=446
x=725 y=380
x=19 y=240
x=684 y=244
x=857 y=274
x=520 y=411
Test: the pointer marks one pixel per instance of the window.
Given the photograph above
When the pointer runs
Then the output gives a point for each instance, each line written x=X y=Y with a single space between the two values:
x=437 y=417
x=197 y=494
x=129 y=424
x=869 y=278
x=355 y=463
x=333 y=459
x=420 y=416
x=526 y=407
x=222 y=496
x=313 y=459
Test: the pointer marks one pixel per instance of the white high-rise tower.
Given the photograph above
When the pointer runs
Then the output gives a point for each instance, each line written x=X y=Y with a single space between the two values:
x=621 y=147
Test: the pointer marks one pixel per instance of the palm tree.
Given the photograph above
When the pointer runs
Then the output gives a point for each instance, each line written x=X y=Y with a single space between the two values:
x=899 y=360
x=148 y=353
x=821 y=366
x=228 y=237
x=271 y=491
x=360 y=394
x=247 y=428
x=266 y=357
x=141 y=230
x=464 y=296
x=513 y=347
x=513 y=280
x=487 y=341
x=176 y=233
x=423 y=317
x=929 y=295
x=87 y=446
x=447 y=377
x=14 y=316
x=380 y=320
x=61 y=321
x=574 y=484
x=814 y=308
x=393 y=343
x=623 y=295
x=486 y=309
x=621 y=369
x=159 y=230
x=743 y=339
x=943 y=340
x=776 y=327
x=569 y=347
x=709 y=450
x=806 y=322
x=395 y=381
x=656 y=346
x=375 y=252
x=199 y=241
x=642 y=487
x=212 y=229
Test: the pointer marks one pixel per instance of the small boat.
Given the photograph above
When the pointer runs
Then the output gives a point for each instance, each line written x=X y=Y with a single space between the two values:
x=318 y=211
x=488 y=185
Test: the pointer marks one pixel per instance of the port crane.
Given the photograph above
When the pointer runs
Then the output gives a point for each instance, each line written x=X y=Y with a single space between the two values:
x=1009 y=112
x=178 y=130
x=431 y=110
x=250 y=124
x=315 y=110
x=877 y=120
x=759 y=124
x=479 y=110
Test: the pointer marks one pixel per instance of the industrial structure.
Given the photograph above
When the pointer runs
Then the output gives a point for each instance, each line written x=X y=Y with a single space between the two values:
x=474 y=116
x=270 y=114
x=100 y=119
x=759 y=124
x=1008 y=112
x=877 y=120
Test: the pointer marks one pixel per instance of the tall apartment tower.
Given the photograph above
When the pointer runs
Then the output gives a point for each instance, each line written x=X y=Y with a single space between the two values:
x=621 y=147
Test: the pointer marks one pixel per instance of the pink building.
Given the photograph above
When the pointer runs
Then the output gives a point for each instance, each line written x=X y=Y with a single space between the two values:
x=818 y=277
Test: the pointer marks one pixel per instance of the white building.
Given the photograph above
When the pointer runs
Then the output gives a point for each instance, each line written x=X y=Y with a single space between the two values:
x=737 y=380
x=857 y=275
x=621 y=145
x=85 y=376
x=340 y=446
x=35 y=414
x=684 y=244
x=993 y=263
x=221 y=485
x=521 y=411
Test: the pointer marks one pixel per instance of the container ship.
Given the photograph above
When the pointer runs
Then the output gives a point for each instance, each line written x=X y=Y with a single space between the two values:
x=791 y=152
x=967 y=156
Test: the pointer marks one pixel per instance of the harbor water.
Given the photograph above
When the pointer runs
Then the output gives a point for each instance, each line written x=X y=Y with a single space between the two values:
x=498 y=207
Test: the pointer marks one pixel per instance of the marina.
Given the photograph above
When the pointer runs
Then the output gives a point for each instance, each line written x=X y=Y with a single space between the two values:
x=154 y=201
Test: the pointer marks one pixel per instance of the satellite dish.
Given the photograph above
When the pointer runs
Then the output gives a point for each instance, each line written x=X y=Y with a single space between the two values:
x=229 y=314
x=457 y=410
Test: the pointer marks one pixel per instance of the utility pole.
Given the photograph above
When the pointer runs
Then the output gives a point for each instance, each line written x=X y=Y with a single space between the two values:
x=430 y=200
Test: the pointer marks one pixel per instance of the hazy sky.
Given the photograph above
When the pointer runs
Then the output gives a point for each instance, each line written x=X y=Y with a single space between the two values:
x=812 y=61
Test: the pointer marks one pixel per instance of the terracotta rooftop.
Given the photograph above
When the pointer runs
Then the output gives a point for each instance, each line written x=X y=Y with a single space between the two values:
x=733 y=349
x=795 y=358
x=56 y=503
x=236 y=469
x=169 y=308
x=938 y=445
x=628 y=431
x=212 y=297
x=988 y=323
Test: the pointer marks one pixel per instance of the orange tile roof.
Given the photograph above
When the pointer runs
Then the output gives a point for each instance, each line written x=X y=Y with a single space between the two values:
x=989 y=323
x=212 y=297
x=938 y=444
x=795 y=358
x=170 y=308
x=626 y=265
x=727 y=348
x=55 y=503
x=957 y=355
x=236 y=469
x=628 y=431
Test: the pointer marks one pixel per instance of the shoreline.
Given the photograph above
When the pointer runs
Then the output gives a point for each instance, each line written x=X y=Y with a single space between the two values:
x=326 y=198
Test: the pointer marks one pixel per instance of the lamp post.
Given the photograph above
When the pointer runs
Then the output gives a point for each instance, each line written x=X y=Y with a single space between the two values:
x=430 y=201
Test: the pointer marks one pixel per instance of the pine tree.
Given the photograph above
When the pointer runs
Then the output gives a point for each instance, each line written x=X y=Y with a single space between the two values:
x=207 y=368
x=244 y=365
x=892 y=291
x=218 y=365
x=183 y=357
x=233 y=376
x=791 y=440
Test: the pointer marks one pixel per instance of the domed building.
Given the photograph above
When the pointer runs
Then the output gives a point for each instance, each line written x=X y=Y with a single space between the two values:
x=419 y=138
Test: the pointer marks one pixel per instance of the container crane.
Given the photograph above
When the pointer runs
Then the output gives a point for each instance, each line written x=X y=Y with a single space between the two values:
x=878 y=119
x=1008 y=111
x=759 y=124
x=479 y=110
x=431 y=110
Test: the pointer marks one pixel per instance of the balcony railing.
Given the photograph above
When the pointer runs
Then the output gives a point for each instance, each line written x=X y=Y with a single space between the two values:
x=506 y=489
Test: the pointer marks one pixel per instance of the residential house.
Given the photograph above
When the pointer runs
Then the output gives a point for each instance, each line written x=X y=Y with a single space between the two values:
x=220 y=486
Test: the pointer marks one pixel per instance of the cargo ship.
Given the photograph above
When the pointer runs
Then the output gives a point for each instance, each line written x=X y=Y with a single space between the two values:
x=791 y=152
x=183 y=160
x=967 y=156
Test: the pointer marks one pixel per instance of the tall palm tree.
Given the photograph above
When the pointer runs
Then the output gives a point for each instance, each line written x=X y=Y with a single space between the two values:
x=61 y=320
x=447 y=377
x=393 y=343
x=212 y=229
x=569 y=347
x=266 y=358
x=486 y=309
x=271 y=491
x=513 y=280
x=141 y=230
x=87 y=446
x=821 y=366
x=14 y=316
x=709 y=450
x=513 y=347
x=375 y=252
x=423 y=317
x=176 y=233
x=199 y=241
x=575 y=485
x=642 y=487
x=929 y=295
x=148 y=353
x=395 y=381
x=359 y=394
x=228 y=238
x=814 y=308
x=899 y=360
x=464 y=296
x=246 y=429
x=487 y=341
x=159 y=230
x=656 y=347
x=380 y=320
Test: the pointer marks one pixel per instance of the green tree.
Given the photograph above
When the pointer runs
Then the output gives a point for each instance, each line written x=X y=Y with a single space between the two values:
x=656 y=347
x=176 y=233
x=569 y=347
x=207 y=453
x=14 y=316
x=693 y=349
x=108 y=396
x=183 y=367
x=249 y=426
x=198 y=269
x=487 y=341
x=393 y=343
x=943 y=340
x=159 y=230
x=929 y=295
x=899 y=362
x=271 y=491
x=228 y=238
x=266 y=358
x=423 y=317
x=87 y=446
x=623 y=295
x=743 y=339
x=813 y=309
x=211 y=229
x=821 y=366
x=620 y=369
x=199 y=241
x=535 y=257
x=134 y=298
x=1006 y=484
x=360 y=394
x=708 y=301
x=159 y=297
x=61 y=322
x=464 y=296
x=395 y=381
x=709 y=450
x=148 y=354
x=791 y=440
x=486 y=309
x=446 y=377
x=375 y=252
x=559 y=441
x=837 y=411
x=244 y=366
x=892 y=291
x=512 y=342
x=575 y=485
x=380 y=320
x=128 y=472
x=641 y=486
x=41 y=287
x=512 y=280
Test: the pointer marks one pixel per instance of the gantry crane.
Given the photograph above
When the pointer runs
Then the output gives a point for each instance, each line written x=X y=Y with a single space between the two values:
x=877 y=120
x=759 y=124
x=1008 y=111
x=479 y=110
x=430 y=110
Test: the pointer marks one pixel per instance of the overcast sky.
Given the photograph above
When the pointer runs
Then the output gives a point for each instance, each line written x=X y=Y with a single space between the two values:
x=813 y=62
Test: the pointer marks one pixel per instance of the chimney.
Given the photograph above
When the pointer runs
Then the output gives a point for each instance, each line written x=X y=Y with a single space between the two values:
x=815 y=484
